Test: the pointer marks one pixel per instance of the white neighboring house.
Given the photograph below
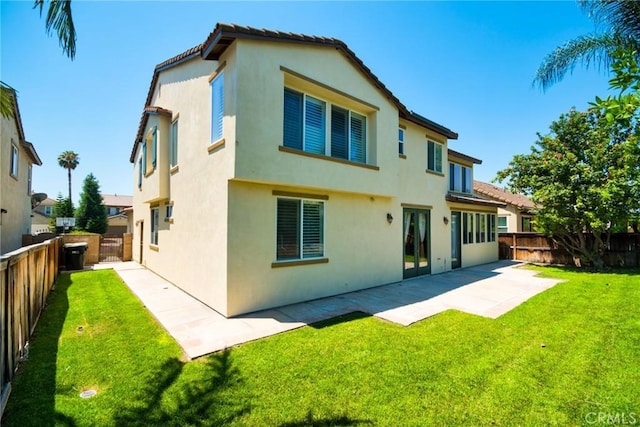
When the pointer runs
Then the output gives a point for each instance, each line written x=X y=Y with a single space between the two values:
x=272 y=168
x=17 y=157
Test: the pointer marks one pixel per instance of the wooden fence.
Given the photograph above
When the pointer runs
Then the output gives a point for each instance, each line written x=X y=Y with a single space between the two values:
x=623 y=250
x=26 y=277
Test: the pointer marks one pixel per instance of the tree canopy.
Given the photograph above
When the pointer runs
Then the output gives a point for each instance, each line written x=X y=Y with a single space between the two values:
x=585 y=175
x=620 y=20
x=91 y=214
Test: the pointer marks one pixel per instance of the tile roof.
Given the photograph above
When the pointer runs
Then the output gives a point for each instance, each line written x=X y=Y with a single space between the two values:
x=453 y=153
x=117 y=200
x=223 y=36
x=502 y=195
x=27 y=146
x=472 y=200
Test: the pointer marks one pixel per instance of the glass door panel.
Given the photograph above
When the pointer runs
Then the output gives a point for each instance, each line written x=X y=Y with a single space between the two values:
x=455 y=240
x=416 y=242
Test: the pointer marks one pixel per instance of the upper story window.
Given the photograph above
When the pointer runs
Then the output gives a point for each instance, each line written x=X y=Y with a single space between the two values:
x=48 y=210
x=316 y=126
x=143 y=158
x=29 y=179
x=400 y=141
x=434 y=156
x=460 y=178
x=113 y=211
x=14 y=160
x=140 y=172
x=217 y=107
x=173 y=144
x=154 y=147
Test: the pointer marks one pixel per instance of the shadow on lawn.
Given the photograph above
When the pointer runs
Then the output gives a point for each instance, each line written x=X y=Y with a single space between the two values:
x=311 y=421
x=206 y=400
x=41 y=387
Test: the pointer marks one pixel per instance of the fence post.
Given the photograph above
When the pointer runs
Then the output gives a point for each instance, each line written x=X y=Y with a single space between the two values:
x=515 y=241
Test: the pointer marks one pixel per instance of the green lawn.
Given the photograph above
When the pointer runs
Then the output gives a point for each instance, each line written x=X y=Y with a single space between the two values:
x=561 y=358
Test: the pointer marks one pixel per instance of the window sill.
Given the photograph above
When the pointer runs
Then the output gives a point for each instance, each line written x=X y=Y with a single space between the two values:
x=169 y=220
x=402 y=156
x=149 y=172
x=297 y=262
x=434 y=172
x=174 y=169
x=322 y=157
x=154 y=248
x=215 y=145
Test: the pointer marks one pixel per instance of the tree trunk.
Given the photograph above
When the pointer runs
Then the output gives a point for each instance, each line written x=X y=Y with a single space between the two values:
x=69 y=173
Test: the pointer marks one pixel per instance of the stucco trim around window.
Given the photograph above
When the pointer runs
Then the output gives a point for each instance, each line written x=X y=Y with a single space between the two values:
x=217 y=144
x=329 y=88
x=434 y=173
x=217 y=71
x=299 y=262
x=331 y=159
x=300 y=195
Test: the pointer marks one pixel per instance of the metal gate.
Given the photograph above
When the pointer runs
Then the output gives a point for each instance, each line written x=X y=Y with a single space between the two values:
x=111 y=247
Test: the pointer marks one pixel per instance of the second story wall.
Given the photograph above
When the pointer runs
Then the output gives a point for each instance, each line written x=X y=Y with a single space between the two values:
x=330 y=100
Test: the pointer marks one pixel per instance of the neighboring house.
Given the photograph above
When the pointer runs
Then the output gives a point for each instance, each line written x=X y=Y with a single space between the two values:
x=272 y=168
x=17 y=156
x=519 y=213
x=116 y=206
x=41 y=216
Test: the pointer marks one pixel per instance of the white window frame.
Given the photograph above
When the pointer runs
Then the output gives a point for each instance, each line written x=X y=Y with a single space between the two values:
x=15 y=160
x=463 y=181
x=505 y=227
x=300 y=225
x=327 y=126
x=155 y=223
x=436 y=147
x=173 y=144
x=217 y=127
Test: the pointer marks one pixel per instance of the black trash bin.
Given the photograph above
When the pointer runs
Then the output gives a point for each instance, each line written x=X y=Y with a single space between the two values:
x=74 y=255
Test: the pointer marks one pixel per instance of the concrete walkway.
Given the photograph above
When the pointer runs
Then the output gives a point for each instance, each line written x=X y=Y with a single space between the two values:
x=488 y=290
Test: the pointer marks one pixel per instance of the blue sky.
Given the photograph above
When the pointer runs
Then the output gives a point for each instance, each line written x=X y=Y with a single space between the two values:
x=466 y=65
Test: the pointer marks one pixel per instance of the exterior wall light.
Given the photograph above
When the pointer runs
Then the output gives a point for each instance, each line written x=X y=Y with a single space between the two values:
x=389 y=218
x=445 y=220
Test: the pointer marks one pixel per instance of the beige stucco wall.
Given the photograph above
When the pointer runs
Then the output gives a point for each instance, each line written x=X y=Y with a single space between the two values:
x=191 y=250
x=14 y=196
x=220 y=243
x=514 y=218
x=360 y=245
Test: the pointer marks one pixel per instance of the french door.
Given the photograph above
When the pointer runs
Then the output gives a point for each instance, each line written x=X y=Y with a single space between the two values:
x=416 y=242
x=456 y=239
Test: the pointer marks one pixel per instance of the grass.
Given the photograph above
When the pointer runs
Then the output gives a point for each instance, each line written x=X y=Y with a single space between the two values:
x=569 y=352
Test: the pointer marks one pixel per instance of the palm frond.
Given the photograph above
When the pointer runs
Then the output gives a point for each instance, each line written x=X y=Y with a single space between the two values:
x=7 y=101
x=620 y=16
x=589 y=50
x=60 y=19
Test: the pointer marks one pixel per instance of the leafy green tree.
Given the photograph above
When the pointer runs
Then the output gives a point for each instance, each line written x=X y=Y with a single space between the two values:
x=69 y=160
x=59 y=19
x=91 y=214
x=621 y=22
x=62 y=209
x=583 y=176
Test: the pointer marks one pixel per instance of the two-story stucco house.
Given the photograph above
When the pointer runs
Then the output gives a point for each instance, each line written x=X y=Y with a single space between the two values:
x=17 y=156
x=272 y=168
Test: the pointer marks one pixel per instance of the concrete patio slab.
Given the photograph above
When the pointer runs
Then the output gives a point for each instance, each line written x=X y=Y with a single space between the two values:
x=488 y=290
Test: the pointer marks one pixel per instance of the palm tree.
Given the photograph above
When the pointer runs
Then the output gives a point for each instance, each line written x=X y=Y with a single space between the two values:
x=69 y=160
x=60 y=19
x=622 y=21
